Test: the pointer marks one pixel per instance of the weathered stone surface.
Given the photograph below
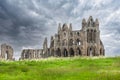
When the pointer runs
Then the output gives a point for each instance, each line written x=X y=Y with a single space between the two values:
x=6 y=52
x=84 y=42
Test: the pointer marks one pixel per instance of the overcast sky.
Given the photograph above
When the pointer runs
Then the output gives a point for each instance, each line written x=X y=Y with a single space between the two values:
x=25 y=23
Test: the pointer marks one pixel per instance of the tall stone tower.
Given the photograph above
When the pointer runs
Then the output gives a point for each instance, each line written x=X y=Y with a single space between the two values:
x=91 y=38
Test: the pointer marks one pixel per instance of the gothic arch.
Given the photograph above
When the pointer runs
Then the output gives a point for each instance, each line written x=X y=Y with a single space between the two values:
x=26 y=56
x=58 y=52
x=71 y=42
x=65 y=52
x=91 y=35
x=91 y=51
x=79 y=51
x=71 y=51
x=90 y=22
x=78 y=42
x=65 y=27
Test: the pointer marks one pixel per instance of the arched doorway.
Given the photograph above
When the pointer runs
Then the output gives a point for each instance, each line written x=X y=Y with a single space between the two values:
x=65 y=53
x=6 y=55
x=71 y=52
x=78 y=42
x=58 y=52
x=79 y=51
x=91 y=51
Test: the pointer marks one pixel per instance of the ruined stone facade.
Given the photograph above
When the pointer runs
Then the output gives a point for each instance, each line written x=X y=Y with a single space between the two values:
x=84 y=42
x=36 y=53
x=6 y=52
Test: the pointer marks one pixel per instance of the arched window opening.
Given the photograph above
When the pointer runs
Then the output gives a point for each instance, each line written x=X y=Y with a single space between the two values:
x=78 y=33
x=26 y=55
x=64 y=27
x=71 y=52
x=65 y=53
x=71 y=42
x=78 y=42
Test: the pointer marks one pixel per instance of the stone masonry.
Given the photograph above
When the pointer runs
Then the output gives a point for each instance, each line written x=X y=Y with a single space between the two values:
x=6 y=52
x=67 y=42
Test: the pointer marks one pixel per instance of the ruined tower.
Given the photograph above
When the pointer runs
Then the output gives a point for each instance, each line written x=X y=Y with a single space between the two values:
x=92 y=44
x=45 y=48
x=6 y=52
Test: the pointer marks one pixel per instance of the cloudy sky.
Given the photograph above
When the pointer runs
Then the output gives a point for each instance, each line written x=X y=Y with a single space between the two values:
x=25 y=23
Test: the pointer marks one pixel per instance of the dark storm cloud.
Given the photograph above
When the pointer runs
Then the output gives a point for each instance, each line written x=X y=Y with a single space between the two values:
x=20 y=24
x=25 y=23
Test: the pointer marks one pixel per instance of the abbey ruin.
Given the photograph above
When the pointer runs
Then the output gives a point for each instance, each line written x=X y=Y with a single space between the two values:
x=6 y=52
x=67 y=42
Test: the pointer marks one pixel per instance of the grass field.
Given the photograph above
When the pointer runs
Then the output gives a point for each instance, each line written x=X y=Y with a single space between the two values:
x=75 y=68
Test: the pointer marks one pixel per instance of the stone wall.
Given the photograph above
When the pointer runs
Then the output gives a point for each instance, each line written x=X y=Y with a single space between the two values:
x=6 y=52
x=67 y=42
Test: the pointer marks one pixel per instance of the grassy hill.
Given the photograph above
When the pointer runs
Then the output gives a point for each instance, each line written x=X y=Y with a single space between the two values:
x=75 y=68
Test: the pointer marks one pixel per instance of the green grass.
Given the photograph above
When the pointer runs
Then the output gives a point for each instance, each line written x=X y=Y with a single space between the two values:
x=75 y=68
